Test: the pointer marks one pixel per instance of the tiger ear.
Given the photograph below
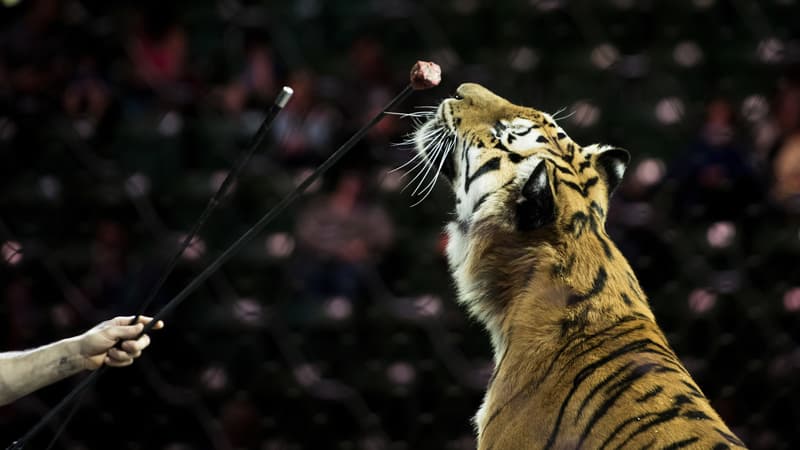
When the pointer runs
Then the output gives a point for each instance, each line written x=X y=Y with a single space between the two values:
x=536 y=206
x=611 y=162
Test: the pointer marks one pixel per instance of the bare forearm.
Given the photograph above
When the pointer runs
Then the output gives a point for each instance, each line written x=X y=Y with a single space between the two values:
x=23 y=372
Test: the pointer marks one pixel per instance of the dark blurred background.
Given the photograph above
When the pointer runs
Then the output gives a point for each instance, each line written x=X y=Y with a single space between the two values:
x=337 y=327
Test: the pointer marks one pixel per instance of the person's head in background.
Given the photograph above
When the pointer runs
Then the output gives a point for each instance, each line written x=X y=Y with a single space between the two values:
x=787 y=106
x=786 y=169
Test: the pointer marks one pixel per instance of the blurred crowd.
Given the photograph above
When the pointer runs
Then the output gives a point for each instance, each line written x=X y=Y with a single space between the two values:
x=118 y=121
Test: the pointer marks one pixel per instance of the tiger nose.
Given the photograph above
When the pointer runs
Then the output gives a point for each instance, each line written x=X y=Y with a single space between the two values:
x=475 y=93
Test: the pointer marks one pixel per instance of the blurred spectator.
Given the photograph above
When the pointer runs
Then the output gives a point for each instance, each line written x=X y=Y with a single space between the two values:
x=25 y=320
x=306 y=126
x=32 y=49
x=784 y=122
x=785 y=189
x=339 y=232
x=714 y=177
x=108 y=276
x=374 y=84
x=369 y=62
x=258 y=82
x=87 y=100
x=87 y=94
x=777 y=142
x=158 y=50
x=33 y=66
x=239 y=419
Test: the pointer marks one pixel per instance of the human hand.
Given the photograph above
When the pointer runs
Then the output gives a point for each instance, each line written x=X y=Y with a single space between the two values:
x=97 y=346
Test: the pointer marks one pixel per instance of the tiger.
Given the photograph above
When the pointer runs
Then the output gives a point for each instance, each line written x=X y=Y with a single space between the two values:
x=579 y=361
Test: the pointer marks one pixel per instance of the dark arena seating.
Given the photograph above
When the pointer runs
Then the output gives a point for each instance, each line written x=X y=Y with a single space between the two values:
x=337 y=327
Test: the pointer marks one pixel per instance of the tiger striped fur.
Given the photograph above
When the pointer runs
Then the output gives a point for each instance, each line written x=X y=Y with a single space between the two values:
x=579 y=359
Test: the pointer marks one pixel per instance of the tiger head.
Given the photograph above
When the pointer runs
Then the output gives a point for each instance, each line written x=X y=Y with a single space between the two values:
x=509 y=162
x=522 y=187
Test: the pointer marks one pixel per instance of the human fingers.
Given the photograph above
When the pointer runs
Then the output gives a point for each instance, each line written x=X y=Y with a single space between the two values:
x=126 y=320
x=145 y=320
x=121 y=320
x=117 y=358
x=124 y=331
x=134 y=348
x=114 y=363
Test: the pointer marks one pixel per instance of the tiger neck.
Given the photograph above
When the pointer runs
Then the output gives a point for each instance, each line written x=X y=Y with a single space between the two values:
x=545 y=290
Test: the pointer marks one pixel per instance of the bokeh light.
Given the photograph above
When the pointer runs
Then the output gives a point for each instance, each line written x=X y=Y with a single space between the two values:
x=585 y=113
x=401 y=372
x=755 y=108
x=196 y=248
x=217 y=178
x=791 y=299
x=214 y=378
x=687 y=54
x=428 y=305
x=650 y=171
x=280 y=245
x=12 y=252
x=50 y=187
x=702 y=300
x=306 y=375
x=721 y=234
x=171 y=124
x=339 y=308
x=524 y=59
x=248 y=311
x=770 y=50
x=138 y=185
x=392 y=179
x=604 y=56
x=669 y=110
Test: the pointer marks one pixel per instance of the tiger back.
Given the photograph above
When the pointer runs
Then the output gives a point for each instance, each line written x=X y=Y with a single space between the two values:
x=579 y=359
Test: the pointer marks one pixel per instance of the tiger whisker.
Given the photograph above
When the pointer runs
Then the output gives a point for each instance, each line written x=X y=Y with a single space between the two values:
x=432 y=184
x=424 y=172
x=421 y=175
x=411 y=138
x=431 y=137
x=422 y=161
x=560 y=110
x=556 y=116
x=448 y=147
x=451 y=145
x=417 y=156
x=411 y=114
x=567 y=116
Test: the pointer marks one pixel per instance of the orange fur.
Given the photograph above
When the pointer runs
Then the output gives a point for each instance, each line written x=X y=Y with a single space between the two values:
x=580 y=361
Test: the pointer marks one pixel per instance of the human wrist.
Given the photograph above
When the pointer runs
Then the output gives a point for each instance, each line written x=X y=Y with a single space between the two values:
x=71 y=358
